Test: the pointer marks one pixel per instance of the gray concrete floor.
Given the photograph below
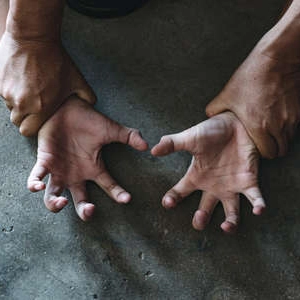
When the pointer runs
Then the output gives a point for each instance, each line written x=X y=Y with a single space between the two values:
x=155 y=70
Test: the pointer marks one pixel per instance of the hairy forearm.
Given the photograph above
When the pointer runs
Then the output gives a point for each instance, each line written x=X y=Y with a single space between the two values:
x=35 y=19
x=283 y=40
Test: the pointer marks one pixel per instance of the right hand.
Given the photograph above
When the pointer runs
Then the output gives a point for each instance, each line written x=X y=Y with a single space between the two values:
x=36 y=77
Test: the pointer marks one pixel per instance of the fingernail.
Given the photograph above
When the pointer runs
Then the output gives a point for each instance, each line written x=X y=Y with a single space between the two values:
x=258 y=210
x=200 y=219
x=39 y=186
x=89 y=211
x=168 y=201
x=124 y=197
x=60 y=204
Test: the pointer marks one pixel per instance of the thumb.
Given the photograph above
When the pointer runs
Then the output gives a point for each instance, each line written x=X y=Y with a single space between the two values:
x=216 y=106
x=175 y=142
x=133 y=138
x=125 y=135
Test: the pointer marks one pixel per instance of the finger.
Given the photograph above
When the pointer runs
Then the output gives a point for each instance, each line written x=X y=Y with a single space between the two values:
x=35 y=180
x=176 y=142
x=179 y=191
x=131 y=137
x=111 y=187
x=31 y=124
x=254 y=196
x=217 y=105
x=232 y=214
x=53 y=201
x=84 y=209
x=16 y=117
x=203 y=215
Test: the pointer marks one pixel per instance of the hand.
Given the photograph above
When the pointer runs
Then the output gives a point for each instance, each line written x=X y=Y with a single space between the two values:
x=224 y=164
x=69 y=149
x=264 y=93
x=35 y=77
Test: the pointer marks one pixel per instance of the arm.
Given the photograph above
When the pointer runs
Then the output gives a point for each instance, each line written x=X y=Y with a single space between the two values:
x=264 y=91
x=39 y=20
x=283 y=40
x=3 y=14
x=36 y=73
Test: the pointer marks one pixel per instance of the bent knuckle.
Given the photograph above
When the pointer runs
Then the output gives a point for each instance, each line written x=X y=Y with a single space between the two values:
x=20 y=104
x=111 y=186
x=38 y=105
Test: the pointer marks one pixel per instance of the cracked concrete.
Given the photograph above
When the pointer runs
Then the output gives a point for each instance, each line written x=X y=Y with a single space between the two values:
x=155 y=70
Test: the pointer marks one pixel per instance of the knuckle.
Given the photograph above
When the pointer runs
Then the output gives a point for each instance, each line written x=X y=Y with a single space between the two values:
x=111 y=186
x=131 y=133
x=20 y=104
x=38 y=105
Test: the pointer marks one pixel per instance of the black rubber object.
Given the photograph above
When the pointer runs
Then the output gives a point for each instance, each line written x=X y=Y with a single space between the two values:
x=105 y=8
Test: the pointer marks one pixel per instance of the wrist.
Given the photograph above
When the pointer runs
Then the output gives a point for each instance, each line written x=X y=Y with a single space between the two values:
x=35 y=20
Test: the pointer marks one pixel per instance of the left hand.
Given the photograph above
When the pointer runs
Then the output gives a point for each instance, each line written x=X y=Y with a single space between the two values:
x=69 y=149
x=224 y=164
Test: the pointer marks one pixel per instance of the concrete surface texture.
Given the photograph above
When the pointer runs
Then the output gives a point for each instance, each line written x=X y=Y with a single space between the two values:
x=155 y=70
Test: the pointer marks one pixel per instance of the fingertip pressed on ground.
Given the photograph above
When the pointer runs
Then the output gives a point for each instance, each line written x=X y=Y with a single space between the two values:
x=168 y=202
x=200 y=219
x=88 y=211
x=228 y=227
x=258 y=210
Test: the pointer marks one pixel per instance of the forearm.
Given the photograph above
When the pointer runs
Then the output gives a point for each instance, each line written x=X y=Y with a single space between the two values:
x=283 y=40
x=35 y=19
x=3 y=14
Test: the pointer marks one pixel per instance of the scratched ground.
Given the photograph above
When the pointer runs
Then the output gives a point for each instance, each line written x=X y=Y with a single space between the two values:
x=155 y=70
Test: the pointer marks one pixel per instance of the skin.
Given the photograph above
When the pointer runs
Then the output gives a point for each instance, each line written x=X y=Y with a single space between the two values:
x=4 y=5
x=36 y=73
x=224 y=165
x=225 y=160
x=70 y=153
x=269 y=103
